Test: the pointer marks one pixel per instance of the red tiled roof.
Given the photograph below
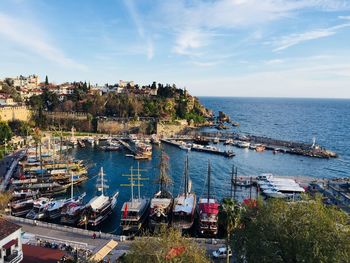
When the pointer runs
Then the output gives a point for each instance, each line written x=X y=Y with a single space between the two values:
x=35 y=254
x=7 y=228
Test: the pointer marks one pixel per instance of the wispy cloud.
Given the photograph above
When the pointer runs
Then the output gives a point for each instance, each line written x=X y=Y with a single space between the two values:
x=29 y=36
x=344 y=17
x=140 y=27
x=274 y=61
x=189 y=40
x=295 y=39
x=194 y=22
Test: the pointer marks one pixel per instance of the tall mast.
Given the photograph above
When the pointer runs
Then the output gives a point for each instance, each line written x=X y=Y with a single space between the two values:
x=209 y=173
x=71 y=185
x=132 y=185
x=164 y=178
x=185 y=175
x=102 y=186
x=138 y=177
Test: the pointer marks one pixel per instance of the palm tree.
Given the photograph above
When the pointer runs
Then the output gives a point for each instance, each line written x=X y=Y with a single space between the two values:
x=229 y=212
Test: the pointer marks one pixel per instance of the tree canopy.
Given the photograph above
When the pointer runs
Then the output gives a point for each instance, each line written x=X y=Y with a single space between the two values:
x=170 y=103
x=5 y=132
x=279 y=231
x=167 y=246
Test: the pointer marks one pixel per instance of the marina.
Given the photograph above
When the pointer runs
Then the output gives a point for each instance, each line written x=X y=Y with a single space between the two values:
x=142 y=211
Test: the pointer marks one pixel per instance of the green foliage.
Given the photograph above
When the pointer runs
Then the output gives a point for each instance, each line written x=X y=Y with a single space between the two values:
x=4 y=200
x=5 y=132
x=156 y=248
x=8 y=89
x=46 y=80
x=20 y=128
x=278 y=231
x=171 y=103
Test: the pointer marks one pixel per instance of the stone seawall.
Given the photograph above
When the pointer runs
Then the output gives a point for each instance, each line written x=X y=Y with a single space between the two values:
x=131 y=126
x=171 y=128
x=67 y=120
x=11 y=113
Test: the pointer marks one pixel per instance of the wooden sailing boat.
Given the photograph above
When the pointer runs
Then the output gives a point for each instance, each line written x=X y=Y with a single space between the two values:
x=208 y=209
x=135 y=211
x=101 y=206
x=162 y=201
x=184 y=204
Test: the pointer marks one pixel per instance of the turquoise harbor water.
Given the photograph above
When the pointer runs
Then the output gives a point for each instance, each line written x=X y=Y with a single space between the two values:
x=290 y=119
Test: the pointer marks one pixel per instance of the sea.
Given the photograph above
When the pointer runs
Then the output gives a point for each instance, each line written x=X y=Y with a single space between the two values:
x=326 y=120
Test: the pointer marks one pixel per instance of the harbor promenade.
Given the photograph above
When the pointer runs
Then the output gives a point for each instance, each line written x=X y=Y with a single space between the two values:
x=75 y=237
x=13 y=159
x=83 y=239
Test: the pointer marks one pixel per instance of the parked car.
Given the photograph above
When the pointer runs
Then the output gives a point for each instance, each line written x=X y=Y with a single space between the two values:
x=221 y=253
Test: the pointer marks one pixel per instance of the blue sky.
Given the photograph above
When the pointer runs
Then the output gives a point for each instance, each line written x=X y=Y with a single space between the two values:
x=268 y=48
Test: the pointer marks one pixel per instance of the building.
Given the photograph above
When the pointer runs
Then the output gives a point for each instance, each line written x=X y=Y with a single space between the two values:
x=124 y=84
x=6 y=100
x=30 y=82
x=10 y=242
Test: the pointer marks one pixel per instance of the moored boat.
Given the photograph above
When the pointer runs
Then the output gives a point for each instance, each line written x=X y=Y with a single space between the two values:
x=39 y=209
x=208 y=209
x=184 y=205
x=134 y=212
x=99 y=207
x=162 y=202
x=143 y=151
x=21 y=207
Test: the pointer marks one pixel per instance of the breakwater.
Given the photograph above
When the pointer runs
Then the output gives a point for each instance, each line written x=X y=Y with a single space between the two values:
x=291 y=147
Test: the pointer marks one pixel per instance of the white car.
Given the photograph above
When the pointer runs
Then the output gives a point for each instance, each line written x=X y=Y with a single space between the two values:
x=221 y=253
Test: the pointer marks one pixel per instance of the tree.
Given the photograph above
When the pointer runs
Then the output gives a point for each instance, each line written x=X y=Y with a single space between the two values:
x=5 y=132
x=229 y=218
x=279 y=231
x=46 y=81
x=167 y=246
x=20 y=128
x=4 y=200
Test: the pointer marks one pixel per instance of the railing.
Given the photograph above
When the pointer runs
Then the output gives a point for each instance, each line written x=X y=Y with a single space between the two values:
x=69 y=229
x=14 y=257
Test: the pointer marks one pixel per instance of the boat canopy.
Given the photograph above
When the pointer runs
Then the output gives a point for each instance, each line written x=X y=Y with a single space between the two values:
x=184 y=204
x=98 y=201
x=211 y=208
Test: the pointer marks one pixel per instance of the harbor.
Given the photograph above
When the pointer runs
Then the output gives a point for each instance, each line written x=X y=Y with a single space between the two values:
x=45 y=177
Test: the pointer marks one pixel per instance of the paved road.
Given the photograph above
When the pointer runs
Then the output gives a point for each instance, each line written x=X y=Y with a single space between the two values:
x=10 y=161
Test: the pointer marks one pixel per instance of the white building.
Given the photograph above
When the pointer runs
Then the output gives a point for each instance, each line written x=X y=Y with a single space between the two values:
x=30 y=82
x=6 y=100
x=124 y=84
x=10 y=242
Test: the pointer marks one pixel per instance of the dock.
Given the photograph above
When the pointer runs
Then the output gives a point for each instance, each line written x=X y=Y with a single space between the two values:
x=200 y=149
x=276 y=145
x=127 y=146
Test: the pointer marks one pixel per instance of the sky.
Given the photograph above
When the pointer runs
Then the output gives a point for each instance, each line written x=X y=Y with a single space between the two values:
x=250 y=48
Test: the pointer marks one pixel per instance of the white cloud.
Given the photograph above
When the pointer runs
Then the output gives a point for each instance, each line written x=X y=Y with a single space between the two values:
x=274 y=61
x=194 y=22
x=29 y=36
x=344 y=17
x=140 y=28
x=189 y=40
x=205 y=64
x=295 y=39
